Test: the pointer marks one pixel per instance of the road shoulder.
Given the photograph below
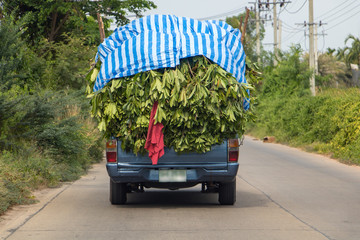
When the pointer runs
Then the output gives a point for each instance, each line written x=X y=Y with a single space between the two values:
x=18 y=215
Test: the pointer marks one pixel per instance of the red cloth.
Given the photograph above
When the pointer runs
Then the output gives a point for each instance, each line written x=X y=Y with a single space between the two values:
x=155 y=137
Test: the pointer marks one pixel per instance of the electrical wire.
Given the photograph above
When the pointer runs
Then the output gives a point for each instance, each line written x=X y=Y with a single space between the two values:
x=286 y=27
x=342 y=21
x=336 y=18
x=292 y=28
x=296 y=10
x=223 y=14
x=334 y=9
x=323 y=46
x=291 y=31
x=299 y=41
x=281 y=10
x=289 y=28
x=293 y=3
x=294 y=33
x=290 y=36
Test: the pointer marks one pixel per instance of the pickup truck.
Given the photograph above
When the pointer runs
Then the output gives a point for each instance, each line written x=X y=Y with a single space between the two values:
x=215 y=170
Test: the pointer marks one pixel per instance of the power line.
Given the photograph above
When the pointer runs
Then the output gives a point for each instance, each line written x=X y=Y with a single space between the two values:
x=286 y=28
x=340 y=11
x=291 y=31
x=282 y=9
x=223 y=14
x=343 y=21
x=291 y=27
x=323 y=35
x=299 y=40
x=296 y=10
x=306 y=48
x=294 y=34
x=290 y=36
x=334 y=9
x=335 y=18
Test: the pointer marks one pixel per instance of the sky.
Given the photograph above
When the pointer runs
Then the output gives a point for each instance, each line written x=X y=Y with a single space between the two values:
x=339 y=17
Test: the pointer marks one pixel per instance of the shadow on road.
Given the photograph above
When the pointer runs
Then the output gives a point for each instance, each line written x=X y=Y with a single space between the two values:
x=189 y=198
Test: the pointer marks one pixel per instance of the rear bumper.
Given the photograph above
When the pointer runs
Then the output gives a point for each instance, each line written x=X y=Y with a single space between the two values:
x=194 y=174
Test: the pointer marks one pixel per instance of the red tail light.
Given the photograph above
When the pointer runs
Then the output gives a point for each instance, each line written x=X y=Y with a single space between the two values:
x=233 y=156
x=111 y=154
x=233 y=150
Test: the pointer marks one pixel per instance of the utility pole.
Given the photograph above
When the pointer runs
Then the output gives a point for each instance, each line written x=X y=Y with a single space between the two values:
x=315 y=53
x=316 y=56
x=311 y=47
x=257 y=16
x=279 y=40
x=259 y=7
x=275 y=33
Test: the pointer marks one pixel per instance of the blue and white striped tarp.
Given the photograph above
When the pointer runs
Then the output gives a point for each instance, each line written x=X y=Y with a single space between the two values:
x=160 y=41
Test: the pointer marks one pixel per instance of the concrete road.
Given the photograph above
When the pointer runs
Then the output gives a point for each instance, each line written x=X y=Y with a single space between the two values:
x=282 y=193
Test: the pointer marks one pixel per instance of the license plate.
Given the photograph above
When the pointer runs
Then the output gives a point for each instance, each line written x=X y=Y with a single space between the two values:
x=172 y=175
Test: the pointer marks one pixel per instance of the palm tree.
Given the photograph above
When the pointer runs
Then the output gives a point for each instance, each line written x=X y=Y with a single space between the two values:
x=330 y=51
x=352 y=54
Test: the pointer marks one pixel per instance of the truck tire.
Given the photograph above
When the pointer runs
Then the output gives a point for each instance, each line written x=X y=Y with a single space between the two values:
x=117 y=192
x=227 y=193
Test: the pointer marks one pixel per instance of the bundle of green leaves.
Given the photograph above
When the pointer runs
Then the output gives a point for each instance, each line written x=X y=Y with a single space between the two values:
x=199 y=104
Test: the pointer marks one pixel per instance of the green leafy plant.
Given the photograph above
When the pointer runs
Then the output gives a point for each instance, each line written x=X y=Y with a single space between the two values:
x=200 y=105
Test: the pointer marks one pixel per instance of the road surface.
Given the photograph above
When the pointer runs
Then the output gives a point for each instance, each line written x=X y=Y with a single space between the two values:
x=282 y=193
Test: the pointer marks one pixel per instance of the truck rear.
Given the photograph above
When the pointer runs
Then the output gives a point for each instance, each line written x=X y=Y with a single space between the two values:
x=215 y=170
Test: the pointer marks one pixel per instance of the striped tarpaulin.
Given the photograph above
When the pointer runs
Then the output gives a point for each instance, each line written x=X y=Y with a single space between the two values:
x=160 y=41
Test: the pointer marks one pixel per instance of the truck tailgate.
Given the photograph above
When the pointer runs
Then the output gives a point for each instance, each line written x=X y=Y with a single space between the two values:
x=216 y=158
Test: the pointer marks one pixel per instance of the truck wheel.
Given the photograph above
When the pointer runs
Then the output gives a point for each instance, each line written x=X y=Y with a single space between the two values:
x=117 y=192
x=227 y=193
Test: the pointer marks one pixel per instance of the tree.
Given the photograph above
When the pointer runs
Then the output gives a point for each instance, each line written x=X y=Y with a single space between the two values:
x=289 y=77
x=50 y=19
x=340 y=54
x=352 y=54
x=250 y=37
x=332 y=73
x=118 y=8
x=330 y=51
x=14 y=54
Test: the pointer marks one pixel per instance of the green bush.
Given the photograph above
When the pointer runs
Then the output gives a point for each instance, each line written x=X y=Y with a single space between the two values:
x=46 y=134
x=22 y=172
x=289 y=77
x=45 y=138
x=328 y=123
x=65 y=64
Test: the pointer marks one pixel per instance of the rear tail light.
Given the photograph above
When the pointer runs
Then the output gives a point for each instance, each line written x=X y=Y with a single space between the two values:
x=233 y=150
x=111 y=155
x=234 y=143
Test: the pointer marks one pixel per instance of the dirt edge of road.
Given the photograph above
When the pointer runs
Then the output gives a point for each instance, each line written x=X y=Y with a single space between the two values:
x=18 y=215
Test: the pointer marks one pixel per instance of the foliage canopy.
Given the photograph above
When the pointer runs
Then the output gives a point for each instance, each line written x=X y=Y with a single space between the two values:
x=50 y=19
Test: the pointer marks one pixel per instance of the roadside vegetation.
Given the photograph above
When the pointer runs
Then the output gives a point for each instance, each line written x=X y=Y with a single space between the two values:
x=328 y=123
x=47 y=135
